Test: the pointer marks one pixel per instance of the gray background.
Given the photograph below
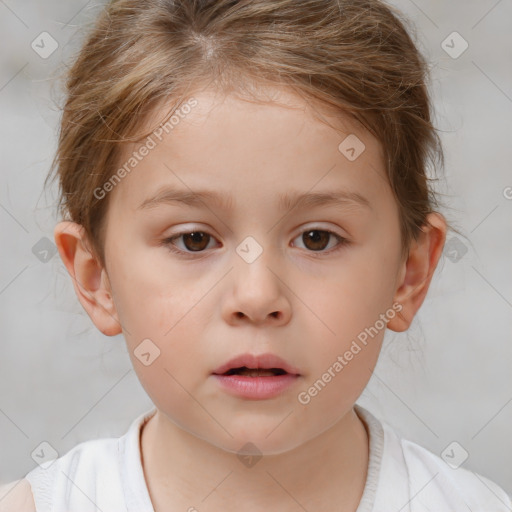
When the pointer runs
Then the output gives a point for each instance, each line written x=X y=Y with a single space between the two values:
x=447 y=379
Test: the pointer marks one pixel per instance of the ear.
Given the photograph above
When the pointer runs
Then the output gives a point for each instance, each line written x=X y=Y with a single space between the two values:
x=417 y=271
x=90 y=280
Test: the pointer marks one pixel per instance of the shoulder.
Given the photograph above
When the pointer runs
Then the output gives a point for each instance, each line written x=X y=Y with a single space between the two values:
x=434 y=480
x=449 y=475
x=17 y=497
x=88 y=458
x=91 y=468
x=406 y=476
x=91 y=476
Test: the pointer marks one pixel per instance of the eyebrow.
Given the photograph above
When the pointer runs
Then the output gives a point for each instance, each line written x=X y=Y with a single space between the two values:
x=287 y=201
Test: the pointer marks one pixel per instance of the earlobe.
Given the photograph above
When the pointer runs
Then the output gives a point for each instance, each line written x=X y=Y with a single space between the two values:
x=417 y=271
x=90 y=280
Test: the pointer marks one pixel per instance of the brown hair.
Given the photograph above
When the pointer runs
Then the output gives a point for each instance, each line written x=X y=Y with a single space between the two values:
x=353 y=57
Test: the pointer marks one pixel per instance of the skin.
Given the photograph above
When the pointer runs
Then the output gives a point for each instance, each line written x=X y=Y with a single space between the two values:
x=202 y=310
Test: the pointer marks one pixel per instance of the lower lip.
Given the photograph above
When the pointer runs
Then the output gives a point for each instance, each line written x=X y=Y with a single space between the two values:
x=256 y=388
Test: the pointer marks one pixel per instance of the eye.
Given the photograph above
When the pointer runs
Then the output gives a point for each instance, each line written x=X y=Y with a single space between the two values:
x=194 y=241
x=316 y=240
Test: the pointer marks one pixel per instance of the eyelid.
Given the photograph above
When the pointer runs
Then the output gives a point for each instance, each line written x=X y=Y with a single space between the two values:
x=343 y=241
x=167 y=242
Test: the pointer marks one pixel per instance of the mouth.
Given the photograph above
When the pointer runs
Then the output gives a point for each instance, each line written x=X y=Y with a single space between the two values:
x=256 y=377
x=261 y=365
x=255 y=372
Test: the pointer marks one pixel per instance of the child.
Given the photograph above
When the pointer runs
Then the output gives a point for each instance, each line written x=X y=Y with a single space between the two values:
x=245 y=198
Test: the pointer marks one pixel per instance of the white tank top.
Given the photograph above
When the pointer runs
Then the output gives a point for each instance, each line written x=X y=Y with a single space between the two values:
x=100 y=475
x=106 y=475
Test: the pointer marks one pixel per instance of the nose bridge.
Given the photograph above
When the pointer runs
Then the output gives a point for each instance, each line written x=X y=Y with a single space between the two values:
x=254 y=259
x=257 y=290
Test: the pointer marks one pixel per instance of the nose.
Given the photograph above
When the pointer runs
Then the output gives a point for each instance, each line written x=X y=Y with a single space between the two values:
x=257 y=294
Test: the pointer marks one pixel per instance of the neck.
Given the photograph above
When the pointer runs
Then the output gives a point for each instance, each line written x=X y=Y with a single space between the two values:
x=326 y=473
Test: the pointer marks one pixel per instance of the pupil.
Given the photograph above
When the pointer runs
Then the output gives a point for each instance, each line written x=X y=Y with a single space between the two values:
x=320 y=236
x=195 y=237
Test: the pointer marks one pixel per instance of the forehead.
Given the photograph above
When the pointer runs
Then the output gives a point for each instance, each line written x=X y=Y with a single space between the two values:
x=229 y=143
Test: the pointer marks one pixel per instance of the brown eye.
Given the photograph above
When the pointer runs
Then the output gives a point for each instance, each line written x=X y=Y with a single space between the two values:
x=192 y=241
x=317 y=240
x=195 y=241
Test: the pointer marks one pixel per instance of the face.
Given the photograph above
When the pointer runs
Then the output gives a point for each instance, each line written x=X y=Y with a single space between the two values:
x=198 y=282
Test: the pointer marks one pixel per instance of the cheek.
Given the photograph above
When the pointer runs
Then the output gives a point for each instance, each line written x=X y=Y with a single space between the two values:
x=347 y=316
x=152 y=295
x=168 y=329
x=165 y=307
x=339 y=377
x=349 y=300
x=347 y=344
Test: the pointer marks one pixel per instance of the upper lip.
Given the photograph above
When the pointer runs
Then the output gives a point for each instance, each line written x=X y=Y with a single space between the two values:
x=257 y=361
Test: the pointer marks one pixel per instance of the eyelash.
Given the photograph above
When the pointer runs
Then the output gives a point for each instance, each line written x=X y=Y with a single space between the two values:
x=168 y=243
